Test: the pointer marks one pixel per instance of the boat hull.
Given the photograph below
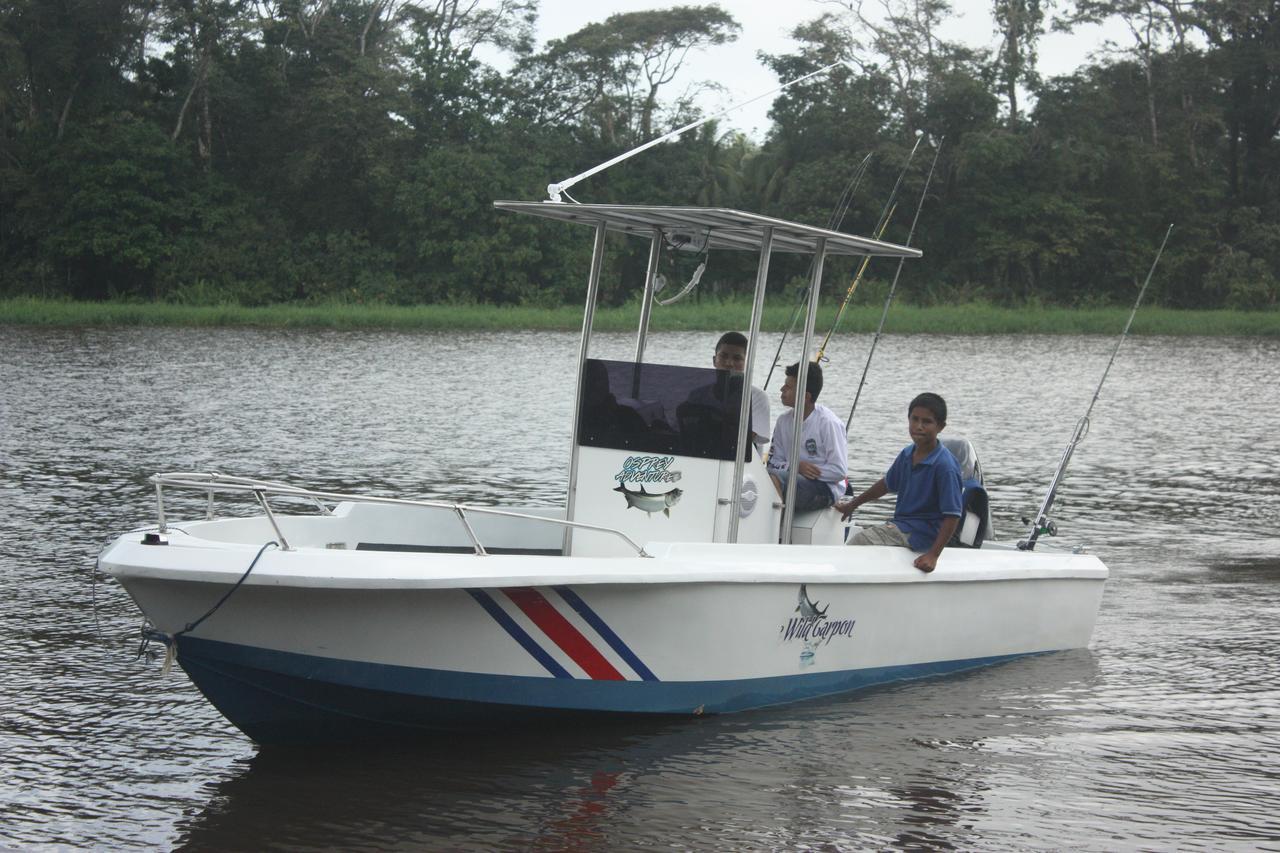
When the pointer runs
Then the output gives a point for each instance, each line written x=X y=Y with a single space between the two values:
x=382 y=645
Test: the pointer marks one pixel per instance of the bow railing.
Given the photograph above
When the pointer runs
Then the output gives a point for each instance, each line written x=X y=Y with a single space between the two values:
x=212 y=483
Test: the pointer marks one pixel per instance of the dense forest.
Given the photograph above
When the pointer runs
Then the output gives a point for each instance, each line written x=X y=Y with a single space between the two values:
x=264 y=151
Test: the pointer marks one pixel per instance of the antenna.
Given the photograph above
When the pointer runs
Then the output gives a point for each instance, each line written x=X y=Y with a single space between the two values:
x=554 y=190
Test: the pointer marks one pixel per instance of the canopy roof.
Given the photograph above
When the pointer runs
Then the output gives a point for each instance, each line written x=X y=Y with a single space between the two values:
x=719 y=227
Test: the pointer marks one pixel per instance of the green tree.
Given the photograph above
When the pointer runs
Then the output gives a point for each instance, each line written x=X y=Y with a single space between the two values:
x=902 y=42
x=1244 y=40
x=65 y=57
x=825 y=126
x=1019 y=23
x=1243 y=271
x=609 y=75
x=101 y=209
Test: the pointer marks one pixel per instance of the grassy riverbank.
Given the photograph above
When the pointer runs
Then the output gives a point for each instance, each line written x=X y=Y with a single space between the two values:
x=976 y=318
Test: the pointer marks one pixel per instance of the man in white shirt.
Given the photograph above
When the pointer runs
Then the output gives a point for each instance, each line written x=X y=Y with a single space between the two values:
x=823 y=445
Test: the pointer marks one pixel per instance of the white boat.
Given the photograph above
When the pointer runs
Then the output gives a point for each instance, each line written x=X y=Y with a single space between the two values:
x=673 y=581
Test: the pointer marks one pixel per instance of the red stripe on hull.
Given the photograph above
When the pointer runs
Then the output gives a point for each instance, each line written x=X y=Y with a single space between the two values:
x=543 y=614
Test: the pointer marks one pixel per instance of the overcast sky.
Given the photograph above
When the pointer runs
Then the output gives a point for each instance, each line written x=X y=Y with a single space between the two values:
x=765 y=24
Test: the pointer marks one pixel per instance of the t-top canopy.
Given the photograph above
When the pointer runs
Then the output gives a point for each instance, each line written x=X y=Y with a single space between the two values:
x=715 y=227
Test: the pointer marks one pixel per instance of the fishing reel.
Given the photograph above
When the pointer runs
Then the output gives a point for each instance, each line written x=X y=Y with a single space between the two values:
x=1049 y=527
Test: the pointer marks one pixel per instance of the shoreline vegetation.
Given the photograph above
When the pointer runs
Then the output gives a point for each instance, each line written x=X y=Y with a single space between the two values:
x=196 y=153
x=708 y=315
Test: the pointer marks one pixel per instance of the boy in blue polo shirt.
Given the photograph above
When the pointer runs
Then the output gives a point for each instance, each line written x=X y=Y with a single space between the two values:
x=926 y=478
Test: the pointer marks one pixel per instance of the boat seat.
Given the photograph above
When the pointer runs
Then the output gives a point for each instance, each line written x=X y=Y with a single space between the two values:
x=974 y=524
x=817 y=527
x=975 y=516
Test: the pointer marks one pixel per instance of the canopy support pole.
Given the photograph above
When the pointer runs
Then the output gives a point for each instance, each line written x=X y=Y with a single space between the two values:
x=744 y=411
x=588 y=317
x=802 y=380
x=646 y=302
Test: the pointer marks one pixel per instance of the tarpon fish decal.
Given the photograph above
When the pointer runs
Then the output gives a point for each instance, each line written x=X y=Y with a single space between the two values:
x=807 y=608
x=650 y=502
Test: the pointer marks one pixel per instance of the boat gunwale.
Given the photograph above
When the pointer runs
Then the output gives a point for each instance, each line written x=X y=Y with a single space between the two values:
x=318 y=567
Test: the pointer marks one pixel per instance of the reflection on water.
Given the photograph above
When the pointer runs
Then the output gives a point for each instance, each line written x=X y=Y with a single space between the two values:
x=833 y=771
x=1162 y=735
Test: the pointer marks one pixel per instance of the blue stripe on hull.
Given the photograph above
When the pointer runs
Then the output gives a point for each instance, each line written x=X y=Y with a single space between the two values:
x=518 y=634
x=615 y=642
x=281 y=697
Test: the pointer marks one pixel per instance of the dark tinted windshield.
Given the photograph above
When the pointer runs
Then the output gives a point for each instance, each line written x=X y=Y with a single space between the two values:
x=660 y=408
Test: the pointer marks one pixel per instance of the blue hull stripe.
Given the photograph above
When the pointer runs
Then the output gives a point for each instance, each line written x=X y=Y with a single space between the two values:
x=519 y=634
x=285 y=697
x=614 y=641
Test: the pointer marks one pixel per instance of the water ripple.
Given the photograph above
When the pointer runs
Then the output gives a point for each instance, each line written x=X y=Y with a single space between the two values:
x=1164 y=735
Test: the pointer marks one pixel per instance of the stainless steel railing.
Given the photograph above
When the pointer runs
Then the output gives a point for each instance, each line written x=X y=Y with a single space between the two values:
x=212 y=483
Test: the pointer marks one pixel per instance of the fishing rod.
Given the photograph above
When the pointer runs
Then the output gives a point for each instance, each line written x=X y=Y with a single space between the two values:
x=848 y=295
x=890 y=205
x=893 y=287
x=802 y=293
x=1043 y=524
x=834 y=221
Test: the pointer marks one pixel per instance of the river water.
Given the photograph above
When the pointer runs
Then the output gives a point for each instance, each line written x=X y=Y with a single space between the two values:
x=1164 y=734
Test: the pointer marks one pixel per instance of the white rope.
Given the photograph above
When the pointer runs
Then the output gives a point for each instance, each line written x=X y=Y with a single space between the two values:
x=169 y=655
x=693 y=282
